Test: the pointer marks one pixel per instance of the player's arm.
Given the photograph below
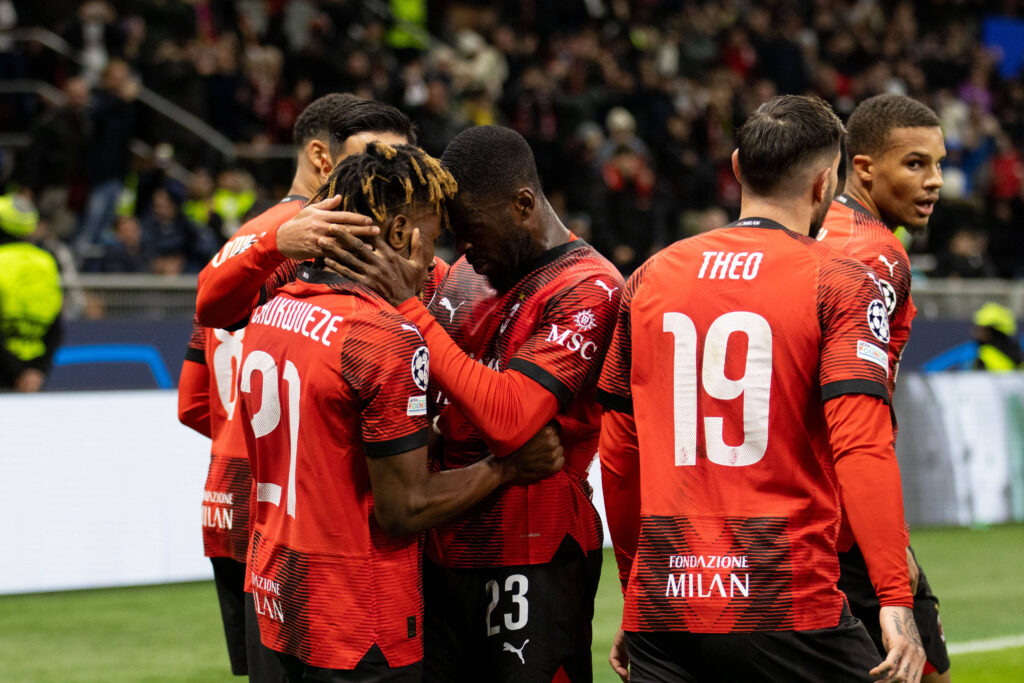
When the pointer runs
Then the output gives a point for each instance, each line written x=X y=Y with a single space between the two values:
x=619 y=445
x=509 y=406
x=409 y=498
x=194 y=385
x=853 y=372
x=230 y=285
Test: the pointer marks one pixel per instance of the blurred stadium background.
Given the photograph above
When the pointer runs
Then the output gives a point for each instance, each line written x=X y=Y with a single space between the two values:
x=630 y=107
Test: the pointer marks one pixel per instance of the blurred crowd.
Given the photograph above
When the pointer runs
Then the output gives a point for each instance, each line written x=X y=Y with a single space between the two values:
x=629 y=105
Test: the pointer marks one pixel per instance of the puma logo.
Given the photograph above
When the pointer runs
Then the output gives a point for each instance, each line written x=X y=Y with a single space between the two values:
x=508 y=647
x=447 y=305
x=602 y=285
x=884 y=260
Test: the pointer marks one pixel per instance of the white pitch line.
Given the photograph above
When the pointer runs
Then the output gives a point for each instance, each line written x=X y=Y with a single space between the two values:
x=987 y=645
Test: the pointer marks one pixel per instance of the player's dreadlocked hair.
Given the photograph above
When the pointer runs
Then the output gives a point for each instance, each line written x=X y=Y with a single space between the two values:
x=871 y=122
x=385 y=178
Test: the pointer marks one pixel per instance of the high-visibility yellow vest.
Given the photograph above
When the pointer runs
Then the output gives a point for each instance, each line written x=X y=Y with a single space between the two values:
x=30 y=298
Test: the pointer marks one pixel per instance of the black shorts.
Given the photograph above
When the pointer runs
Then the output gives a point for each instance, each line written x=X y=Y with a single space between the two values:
x=229 y=578
x=856 y=584
x=373 y=668
x=837 y=655
x=523 y=623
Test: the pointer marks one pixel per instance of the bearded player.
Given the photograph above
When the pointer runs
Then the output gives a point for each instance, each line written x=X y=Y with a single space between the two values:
x=895 y=151
x=745 y=388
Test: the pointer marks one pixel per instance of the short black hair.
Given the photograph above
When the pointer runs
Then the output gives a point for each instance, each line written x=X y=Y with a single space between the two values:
x=336 y=117
x=867 y=131
x=782 y=138
x=385 y=178
x=491 y=161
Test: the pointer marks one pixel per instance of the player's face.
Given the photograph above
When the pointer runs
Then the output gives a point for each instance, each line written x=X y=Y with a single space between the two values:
x=494 y=244
x=908 y=176
x=429 y=224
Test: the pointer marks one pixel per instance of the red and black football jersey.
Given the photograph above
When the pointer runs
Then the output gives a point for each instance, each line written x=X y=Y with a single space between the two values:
x=226 y=496
x=855 y=231
x=553 y=326
x=726 y=347
x=331 y=375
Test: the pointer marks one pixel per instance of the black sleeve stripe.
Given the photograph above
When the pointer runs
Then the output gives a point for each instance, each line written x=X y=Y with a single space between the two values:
x=195 y=355
x=544 y=378
x=619 y=404
x=384 y=449
x=854 y=386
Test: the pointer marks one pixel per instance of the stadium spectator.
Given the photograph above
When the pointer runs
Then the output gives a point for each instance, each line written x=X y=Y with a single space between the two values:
x=177 y=244
x=700 y=61
x=57 y=157
x=112 y=119
x=995 y=331
x=126 y=253
x=30 y=300
x=712 y=589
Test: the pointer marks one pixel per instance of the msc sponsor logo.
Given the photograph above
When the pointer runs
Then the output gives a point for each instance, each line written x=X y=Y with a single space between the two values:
x=573 y=341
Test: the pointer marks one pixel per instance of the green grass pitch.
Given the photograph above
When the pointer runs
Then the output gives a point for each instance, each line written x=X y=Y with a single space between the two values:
x=173 y=632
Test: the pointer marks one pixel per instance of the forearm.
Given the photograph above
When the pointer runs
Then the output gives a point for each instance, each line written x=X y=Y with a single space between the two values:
x=408 y=498
x=229 y=286
x=508 y=408
x=620 y=482
x=860 y=433
x=449 y=493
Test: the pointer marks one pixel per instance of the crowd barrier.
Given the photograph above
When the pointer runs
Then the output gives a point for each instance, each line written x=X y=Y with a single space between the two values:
x=104 y=488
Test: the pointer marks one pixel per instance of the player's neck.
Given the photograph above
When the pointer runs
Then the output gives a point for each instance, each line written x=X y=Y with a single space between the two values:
x=553 y=233
x=797 y=219
x=306 y=181
x=860 y=194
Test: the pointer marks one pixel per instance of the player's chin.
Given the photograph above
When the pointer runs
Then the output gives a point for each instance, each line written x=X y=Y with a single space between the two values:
x=916 y=224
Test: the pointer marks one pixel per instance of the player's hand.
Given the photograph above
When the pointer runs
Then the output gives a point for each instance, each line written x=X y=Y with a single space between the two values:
x=298 y=238
x=29 y=381
x=539 y=457
x=913 y=571
x=376 y=265
x=619 y=658
x=905 y=658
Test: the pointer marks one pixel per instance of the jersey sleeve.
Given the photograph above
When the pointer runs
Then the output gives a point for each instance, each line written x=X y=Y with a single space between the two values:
x=507 y=408
x=390 y=386
x=869 y=481
x=230 y=284
x=565 y=353
x=613 y=387
x=434 y=281
x=854 y=331
x=194 y=384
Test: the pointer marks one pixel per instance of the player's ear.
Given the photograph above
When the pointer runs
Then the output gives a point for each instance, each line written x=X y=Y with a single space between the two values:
x=319 y=154
x=822 y=185
x=524 y=203
x=399 y=232
x=736 y=165
x=863 y=167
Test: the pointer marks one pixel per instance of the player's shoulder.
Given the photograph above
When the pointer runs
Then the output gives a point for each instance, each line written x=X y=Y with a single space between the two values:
x=272 y=217
x=376 y=322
